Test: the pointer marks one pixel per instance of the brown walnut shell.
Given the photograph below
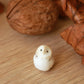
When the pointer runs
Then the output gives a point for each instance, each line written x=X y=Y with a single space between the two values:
x=74 y=36
x=74 y=9
x=1 y=8
x=32 y=16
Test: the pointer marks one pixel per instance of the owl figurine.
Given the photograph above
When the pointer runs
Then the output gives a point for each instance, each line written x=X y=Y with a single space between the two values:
x=43 y=59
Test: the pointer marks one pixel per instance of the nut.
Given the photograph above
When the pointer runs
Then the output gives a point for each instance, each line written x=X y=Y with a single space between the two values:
x=32 y=16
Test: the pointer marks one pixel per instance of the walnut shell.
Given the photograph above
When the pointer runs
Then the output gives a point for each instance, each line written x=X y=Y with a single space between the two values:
x=74 y=9
x=1 y=8
x=32 y=16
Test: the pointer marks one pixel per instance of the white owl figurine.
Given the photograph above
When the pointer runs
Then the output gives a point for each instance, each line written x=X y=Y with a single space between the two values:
x=43 y=59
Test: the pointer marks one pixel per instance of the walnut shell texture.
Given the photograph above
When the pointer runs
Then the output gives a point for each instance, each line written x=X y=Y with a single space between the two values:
x=74 y=9
x=32 y=17
x=74 y=35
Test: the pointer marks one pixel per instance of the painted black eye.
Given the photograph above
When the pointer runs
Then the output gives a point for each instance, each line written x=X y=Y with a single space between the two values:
x=47 y=51
x=40 y=49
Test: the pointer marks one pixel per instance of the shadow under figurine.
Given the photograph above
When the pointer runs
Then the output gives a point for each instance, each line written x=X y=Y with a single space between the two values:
x=74 y=35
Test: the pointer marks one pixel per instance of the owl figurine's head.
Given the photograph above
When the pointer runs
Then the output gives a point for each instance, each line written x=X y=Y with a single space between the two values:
x=44 y=51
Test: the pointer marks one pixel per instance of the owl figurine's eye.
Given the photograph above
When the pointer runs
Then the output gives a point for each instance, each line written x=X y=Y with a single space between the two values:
x=47 y=51
x=40 y=49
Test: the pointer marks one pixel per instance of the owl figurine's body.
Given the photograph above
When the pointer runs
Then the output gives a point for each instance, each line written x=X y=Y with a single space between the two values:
x=43 y=59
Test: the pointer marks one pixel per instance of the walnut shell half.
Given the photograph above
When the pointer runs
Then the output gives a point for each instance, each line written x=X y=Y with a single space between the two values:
x=74 y=9
x=32 y=16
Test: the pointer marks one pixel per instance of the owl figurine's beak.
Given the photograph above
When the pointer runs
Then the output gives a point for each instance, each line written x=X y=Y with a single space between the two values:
x=44 y=52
